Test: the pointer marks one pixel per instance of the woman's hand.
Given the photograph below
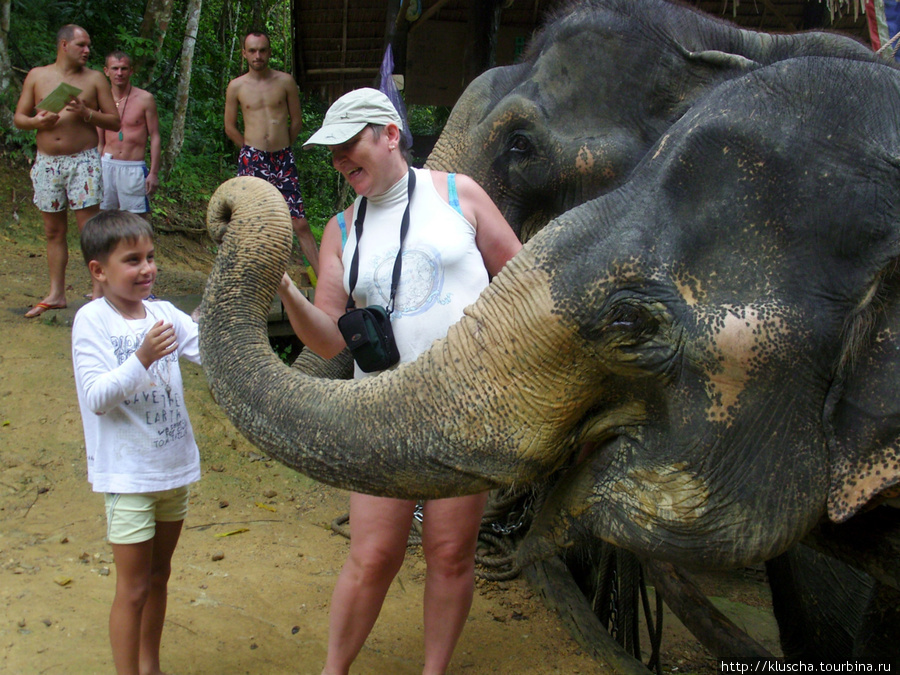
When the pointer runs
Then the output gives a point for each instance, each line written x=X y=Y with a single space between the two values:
x=285 y=286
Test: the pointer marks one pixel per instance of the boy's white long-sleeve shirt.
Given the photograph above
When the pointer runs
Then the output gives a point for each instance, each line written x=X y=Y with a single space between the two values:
x=137 y=432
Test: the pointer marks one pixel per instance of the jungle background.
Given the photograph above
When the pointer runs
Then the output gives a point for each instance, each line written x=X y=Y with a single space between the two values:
x=185 y=52
x=256 y=564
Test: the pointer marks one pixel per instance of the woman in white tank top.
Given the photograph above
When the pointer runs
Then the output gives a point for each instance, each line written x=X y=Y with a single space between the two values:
x=457 y=240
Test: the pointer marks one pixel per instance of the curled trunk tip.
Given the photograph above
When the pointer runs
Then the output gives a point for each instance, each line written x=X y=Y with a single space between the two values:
x=244 y=199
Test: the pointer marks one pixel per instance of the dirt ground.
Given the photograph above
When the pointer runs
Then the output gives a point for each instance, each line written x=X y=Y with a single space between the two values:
x=255 y=567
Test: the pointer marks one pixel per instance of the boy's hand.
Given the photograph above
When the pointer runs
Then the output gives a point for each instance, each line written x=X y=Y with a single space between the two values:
x=158 y=342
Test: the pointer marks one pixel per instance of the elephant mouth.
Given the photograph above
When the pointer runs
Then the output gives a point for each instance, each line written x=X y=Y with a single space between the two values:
x=599 y=433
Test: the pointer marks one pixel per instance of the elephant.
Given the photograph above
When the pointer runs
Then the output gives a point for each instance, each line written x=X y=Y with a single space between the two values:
x=712 y=345
x=597 y=87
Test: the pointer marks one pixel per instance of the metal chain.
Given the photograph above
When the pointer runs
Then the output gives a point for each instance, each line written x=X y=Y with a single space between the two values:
x=614 y=606
x=514 y=520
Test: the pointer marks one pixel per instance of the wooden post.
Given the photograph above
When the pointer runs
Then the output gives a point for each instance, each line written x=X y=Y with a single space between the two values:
x=714 y=630
x=396 y=33
x=484 y=22
x=552 y=579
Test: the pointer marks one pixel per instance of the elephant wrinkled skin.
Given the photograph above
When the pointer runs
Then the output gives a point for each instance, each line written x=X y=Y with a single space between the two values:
x=596 y=89
x=725 y=320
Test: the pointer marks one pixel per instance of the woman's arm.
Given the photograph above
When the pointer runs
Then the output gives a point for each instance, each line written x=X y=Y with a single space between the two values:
x=316 y=325
x=494 y=237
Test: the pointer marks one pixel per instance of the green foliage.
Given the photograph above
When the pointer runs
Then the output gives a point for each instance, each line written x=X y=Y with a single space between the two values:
x=32 y=40
x=320 y=184
x=207 y=157
x=16 y=146
x=133 y=45
x=34 y=23
x=427 y=120
x=287 y=347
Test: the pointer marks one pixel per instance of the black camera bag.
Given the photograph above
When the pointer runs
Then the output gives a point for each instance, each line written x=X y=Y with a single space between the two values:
x=367 y=332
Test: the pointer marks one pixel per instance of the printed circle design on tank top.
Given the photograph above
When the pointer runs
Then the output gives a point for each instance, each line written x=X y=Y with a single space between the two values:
x=422 y=280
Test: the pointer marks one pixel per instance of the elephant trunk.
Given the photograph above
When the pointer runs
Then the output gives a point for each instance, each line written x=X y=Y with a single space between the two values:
x=433 y=428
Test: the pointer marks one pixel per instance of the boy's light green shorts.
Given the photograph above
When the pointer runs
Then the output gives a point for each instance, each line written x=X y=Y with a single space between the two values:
x=132 y=518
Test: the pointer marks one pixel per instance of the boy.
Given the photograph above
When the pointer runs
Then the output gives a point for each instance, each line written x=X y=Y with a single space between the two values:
x=140 y=447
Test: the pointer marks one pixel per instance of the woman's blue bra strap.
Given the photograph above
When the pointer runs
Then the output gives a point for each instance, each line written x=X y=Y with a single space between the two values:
x=451 y=193
x=342 y=223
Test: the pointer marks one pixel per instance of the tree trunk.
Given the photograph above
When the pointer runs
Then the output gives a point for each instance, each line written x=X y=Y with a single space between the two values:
x=231 y=41
x=484 y=22
x=154 y=27
x=9 y=85
x=184 y=87
x=259 y=11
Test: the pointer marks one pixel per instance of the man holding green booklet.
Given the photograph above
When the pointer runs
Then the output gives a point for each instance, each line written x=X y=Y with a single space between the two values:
x=65 y=102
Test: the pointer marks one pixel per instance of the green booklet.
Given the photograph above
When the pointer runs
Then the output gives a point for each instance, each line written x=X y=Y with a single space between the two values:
x=57 y=99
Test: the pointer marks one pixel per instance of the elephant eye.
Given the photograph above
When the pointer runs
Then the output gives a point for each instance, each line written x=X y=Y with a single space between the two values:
x=633 y=319
x=519 y=143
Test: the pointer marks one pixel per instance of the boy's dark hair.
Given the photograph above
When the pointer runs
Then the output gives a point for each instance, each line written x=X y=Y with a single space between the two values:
x=103 y=232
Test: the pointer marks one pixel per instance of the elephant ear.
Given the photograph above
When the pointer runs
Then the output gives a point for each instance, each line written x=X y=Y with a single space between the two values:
x=865 y=440
x=719 y=59
x=698 y=72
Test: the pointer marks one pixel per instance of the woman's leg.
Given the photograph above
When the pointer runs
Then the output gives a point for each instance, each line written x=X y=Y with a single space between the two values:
x=449 y=538
x=133 y=562
x=379 y=530
x=154 y=614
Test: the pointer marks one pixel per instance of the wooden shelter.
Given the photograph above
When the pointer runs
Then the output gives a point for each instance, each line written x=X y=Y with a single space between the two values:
x=441 y=45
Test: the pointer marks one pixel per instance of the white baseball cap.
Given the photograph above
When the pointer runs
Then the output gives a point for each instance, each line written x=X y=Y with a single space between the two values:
x=352 y=113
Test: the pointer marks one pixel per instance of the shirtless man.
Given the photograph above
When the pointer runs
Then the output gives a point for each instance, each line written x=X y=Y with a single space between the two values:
x=270 y=105
x=66 y=171
x=127 y=182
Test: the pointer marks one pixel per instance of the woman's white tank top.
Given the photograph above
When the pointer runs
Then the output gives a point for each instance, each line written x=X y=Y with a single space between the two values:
x=443 y=271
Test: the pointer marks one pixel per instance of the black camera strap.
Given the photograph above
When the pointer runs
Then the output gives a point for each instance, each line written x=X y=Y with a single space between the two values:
x=398 y=262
